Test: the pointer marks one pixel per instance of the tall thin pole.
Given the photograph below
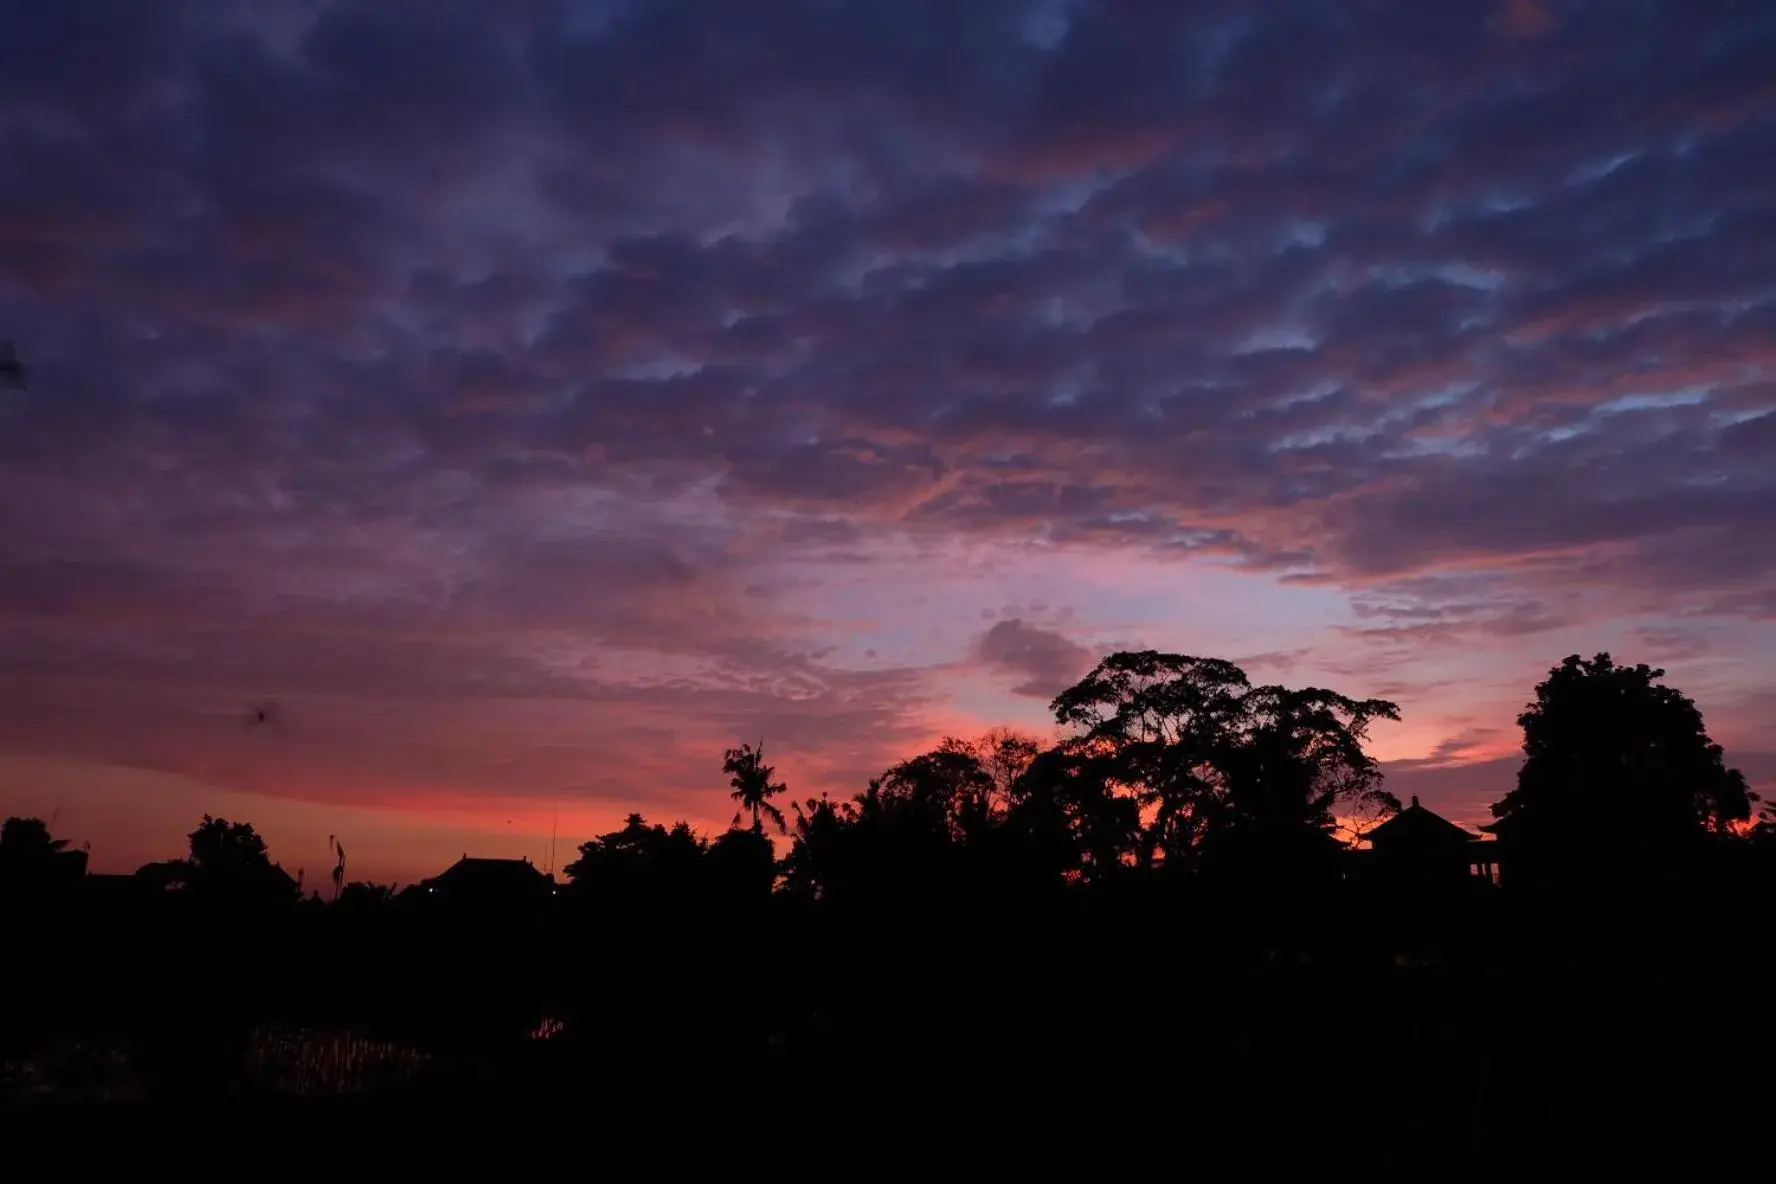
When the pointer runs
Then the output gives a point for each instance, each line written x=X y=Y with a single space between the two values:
x=554 y=825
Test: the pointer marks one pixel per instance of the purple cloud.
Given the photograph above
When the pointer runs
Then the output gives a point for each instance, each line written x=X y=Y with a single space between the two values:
x=438 y=350
x=1045 y=661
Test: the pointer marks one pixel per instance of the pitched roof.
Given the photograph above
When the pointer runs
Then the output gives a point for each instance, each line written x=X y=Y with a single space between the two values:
x=496 y=874
x=1418 y=826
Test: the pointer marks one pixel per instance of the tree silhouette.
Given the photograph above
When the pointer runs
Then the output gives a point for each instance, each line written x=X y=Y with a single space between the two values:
x=742 y=867
x=219 y=846
x=28 y=839
x=230 y=858
x=889 y=850
x=817 y=842
x=638 y=861
x=1068 y=823
x=1006 y=755
x=31 y=861
x=1362 y=817
x=753 y=788
x=1153 y=724
x=1299 y=753
x=948 y=785
x=1615 y=763
x=364 y=896
x=1202 y=752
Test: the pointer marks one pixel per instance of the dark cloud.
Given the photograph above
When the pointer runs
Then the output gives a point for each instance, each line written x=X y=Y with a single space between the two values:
x=1452 y=752
x=570 y=317
x=1046 y=661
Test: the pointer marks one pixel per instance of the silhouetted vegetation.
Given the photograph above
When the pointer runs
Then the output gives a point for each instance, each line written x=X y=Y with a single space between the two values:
x=1617 y=769
x=1164 y=885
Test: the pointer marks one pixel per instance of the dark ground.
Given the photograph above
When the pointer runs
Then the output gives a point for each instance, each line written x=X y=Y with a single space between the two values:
x=1422 y=1074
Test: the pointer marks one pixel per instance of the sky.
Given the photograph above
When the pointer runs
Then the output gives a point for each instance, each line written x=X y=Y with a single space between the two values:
x=535 y=399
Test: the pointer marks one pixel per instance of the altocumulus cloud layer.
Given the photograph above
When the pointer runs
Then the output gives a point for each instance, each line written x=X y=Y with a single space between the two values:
x=545 y=394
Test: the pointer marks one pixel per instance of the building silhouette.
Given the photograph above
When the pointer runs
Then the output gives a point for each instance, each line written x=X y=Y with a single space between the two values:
x=490 y=885
x=1419 y=848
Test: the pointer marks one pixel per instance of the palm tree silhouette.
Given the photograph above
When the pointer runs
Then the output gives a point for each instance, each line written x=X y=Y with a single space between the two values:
x=753 y=788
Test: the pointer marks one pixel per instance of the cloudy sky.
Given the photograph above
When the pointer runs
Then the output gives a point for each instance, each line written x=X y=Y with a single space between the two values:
x=536 y=398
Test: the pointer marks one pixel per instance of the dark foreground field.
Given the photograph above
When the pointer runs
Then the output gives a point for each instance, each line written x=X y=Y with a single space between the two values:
x=1424 y=1074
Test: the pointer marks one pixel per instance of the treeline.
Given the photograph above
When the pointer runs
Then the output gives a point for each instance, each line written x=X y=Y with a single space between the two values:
x=1185 y=815
x=1146 y=942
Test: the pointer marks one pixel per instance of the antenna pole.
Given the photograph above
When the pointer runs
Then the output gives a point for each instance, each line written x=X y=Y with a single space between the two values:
x=554 y=825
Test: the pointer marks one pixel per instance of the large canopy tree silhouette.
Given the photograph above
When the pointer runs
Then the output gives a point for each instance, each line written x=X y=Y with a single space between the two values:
x=949 y=785
x=1615 y=763
x=753 y=788
x=1204 y=753
x=1153 y=724
x=1300 y=752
